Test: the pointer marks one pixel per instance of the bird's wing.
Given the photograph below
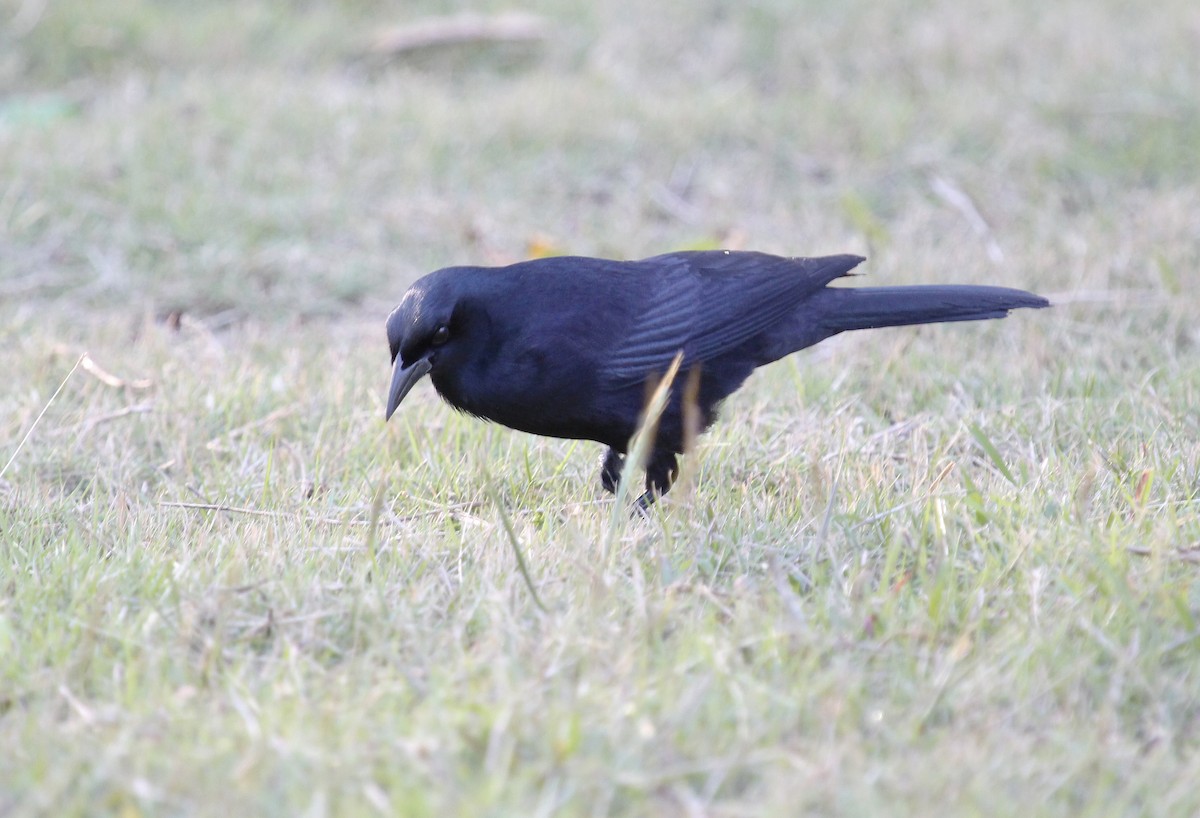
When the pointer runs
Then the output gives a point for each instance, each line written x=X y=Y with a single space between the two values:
x=707 y=303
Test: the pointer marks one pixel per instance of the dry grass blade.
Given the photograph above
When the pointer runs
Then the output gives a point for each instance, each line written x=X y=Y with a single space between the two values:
x=221 y=507
x=640 y=447
x=513 y=541
x=41 y=414
x=463 y=29
x=89 y=365
x=957 y=198
x=373 y=523
x=136 y=409
x=1188 y=554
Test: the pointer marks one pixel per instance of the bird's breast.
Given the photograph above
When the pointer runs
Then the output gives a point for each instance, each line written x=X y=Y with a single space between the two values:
x=541 y=391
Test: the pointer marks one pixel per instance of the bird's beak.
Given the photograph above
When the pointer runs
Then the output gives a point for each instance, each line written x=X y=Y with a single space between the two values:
x=403 y=379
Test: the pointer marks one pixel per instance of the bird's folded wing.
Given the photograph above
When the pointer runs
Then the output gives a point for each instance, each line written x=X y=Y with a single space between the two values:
x=708 y=303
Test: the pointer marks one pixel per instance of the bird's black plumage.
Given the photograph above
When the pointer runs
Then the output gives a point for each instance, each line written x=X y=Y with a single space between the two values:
x=564 y=346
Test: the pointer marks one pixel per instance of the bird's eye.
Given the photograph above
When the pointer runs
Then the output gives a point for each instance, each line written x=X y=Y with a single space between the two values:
x=440 y=336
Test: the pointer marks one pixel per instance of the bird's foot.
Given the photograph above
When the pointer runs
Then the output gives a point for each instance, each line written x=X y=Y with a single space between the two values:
x=641 y=506
x=661 y=472
x=610 y=470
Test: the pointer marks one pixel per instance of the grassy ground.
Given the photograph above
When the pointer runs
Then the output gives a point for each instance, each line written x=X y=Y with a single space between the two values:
x=948 y=570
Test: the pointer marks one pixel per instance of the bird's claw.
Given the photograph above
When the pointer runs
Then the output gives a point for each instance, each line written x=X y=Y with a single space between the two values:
x=610 y=470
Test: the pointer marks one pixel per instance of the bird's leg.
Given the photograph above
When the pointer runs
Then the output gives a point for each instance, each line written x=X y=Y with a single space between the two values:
x=660 y=474
x=610 y=470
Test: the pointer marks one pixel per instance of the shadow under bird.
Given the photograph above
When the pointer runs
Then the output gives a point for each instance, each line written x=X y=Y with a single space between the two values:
x=565 y=346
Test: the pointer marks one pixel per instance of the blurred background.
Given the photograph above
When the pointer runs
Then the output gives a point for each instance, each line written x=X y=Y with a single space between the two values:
x=262 y=159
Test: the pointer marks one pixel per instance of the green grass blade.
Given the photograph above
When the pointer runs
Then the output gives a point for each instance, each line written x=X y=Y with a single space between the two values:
x=992 y=453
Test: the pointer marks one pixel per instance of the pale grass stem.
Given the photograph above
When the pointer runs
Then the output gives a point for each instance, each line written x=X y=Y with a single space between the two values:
x=42 y=413
x=639 y=450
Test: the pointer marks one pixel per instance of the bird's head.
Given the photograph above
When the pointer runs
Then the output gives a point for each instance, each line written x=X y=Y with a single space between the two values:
x=426 y=332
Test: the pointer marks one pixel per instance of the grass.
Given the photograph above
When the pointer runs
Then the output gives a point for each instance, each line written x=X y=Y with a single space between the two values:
x=952 y=569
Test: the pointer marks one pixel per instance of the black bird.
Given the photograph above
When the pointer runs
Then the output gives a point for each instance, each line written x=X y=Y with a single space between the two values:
x=564 y=346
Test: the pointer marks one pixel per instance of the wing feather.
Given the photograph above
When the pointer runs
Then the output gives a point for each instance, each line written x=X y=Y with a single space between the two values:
x=708 y=303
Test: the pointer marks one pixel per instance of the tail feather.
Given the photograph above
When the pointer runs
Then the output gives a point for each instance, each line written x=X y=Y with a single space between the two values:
x=869 y=307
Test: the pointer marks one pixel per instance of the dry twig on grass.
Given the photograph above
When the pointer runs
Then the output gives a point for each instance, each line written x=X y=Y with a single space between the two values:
x=956 y=197
x=462 y=29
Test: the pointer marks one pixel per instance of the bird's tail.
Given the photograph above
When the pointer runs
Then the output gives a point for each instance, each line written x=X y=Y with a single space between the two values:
x=845 y=308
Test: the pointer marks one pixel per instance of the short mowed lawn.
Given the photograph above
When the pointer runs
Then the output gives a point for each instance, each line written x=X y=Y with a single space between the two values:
x=947 y=570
